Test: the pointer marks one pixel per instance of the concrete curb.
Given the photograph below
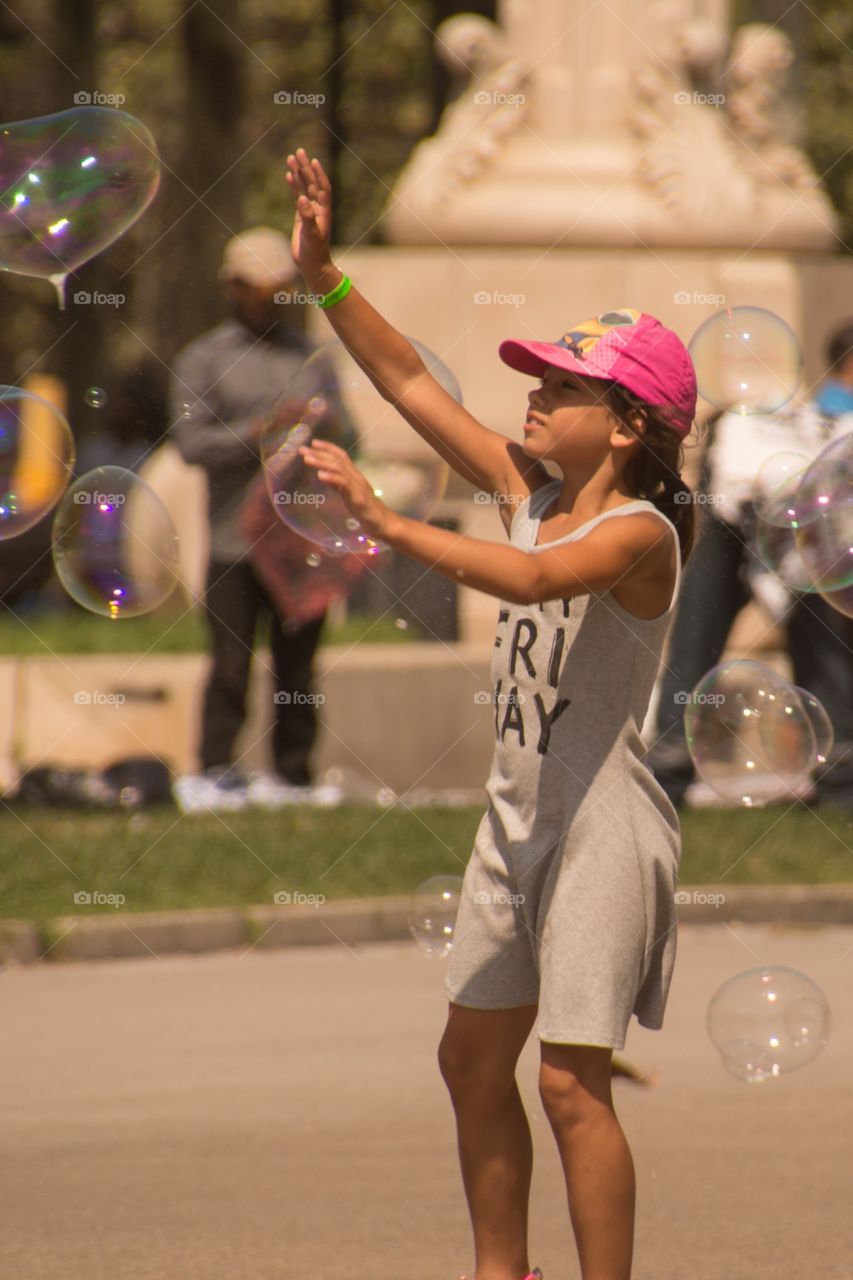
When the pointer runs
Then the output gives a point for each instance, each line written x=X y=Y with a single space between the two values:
x=355 y=921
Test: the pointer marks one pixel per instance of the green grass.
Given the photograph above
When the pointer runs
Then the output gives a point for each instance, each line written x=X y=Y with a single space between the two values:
x=76 y=631
x=160 y=860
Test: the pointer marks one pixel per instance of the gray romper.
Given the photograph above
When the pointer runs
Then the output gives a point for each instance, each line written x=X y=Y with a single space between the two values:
x=568 y=898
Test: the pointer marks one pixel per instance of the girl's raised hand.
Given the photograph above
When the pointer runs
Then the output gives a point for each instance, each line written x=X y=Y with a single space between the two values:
x=336 y=468
x=312 y=226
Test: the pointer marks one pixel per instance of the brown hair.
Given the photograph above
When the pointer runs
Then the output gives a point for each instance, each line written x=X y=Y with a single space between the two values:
x=654 y=471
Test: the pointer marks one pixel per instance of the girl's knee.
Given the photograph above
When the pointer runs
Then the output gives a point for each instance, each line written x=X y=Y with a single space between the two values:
x=574 y=1086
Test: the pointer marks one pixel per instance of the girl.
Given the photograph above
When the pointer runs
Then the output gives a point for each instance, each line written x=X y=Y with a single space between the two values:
x=567 y=910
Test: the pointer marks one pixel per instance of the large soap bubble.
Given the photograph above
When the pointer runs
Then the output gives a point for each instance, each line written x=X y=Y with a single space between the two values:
x=747 y=360
x=767 y=1021
x=114 y=544
x=71 y=184
x=36 y=459
x=331 y=398
x=824 y=504
x=749 y=735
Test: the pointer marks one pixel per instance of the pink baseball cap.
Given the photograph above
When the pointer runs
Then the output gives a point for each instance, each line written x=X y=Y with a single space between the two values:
x=625 y=346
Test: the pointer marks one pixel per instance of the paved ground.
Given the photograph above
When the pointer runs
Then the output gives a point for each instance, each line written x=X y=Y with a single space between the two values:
x=276 y=1116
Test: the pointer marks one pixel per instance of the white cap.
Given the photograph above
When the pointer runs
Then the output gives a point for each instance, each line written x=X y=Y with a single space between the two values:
x=258 y=256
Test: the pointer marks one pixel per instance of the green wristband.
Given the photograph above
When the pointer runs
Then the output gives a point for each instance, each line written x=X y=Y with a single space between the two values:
x=339 y=292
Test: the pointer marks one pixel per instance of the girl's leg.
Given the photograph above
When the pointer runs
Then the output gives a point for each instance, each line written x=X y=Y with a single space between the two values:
x=477 y=1056
x=574 y=1084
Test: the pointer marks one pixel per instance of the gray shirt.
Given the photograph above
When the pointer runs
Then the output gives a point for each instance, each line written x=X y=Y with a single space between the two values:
x=222 y=384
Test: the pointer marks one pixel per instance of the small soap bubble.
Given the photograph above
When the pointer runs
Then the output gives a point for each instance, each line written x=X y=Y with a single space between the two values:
x=747 y=360
x=114 y=544
x=432 y=914
x=767 y=1021
x=749 y=735
x=96 y=397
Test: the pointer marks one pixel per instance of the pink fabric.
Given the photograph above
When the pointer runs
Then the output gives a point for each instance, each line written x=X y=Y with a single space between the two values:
x=279 y=556
x=625 y=346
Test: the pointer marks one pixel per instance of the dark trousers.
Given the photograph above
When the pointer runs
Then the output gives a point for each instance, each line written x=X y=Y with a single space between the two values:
x=234 y=602
x=820 y=644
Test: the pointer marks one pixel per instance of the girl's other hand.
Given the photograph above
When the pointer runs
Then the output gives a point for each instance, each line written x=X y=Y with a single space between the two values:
x=312 y=225
x=336 y=468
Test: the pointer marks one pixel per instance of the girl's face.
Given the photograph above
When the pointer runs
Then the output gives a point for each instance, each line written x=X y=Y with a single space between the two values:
x=567 y=419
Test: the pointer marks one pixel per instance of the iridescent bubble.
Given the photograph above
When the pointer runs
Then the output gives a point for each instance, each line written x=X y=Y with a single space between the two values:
x=95 y=397
x=747 y=360
x=36 y=459
x=71 y=184
x=825 y=506
x=331 y=398
x=841 y=601
x=114 y=545
x=313 y=560
x=776 y=489
x=749 y=735
x=767 y=1021
x=776 y=548
x=821 y=724
x=432 y=914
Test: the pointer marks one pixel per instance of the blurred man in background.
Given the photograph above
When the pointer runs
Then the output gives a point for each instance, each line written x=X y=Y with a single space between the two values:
x=223 y=387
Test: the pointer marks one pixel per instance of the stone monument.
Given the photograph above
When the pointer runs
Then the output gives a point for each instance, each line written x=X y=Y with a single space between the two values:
x=612 y=124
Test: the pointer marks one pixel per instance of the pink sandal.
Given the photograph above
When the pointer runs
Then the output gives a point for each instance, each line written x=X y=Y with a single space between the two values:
x=535 y=1274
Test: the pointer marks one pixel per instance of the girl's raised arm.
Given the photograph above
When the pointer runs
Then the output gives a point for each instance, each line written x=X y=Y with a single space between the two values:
x=482 y=456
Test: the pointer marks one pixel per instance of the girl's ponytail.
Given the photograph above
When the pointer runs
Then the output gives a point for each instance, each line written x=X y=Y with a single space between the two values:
x=654 y=472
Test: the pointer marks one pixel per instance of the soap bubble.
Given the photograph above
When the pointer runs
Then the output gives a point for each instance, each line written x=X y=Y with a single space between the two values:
x=776 y=548
x=432 y=914
x=331 y=398
x=767 y=1021
x=71 y=184
x=114 y=545
x=748 y=733
x=821 y=724
x=36 y=459
x=841 y=601
x=825 y=528
x=747 y=360
x=776 y=489
x=95 y=397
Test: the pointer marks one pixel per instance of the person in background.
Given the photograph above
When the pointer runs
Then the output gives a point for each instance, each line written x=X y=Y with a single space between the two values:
x=726 y=572
x=224 y=385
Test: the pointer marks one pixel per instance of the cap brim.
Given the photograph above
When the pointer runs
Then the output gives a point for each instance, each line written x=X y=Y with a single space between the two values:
x=535 y=357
